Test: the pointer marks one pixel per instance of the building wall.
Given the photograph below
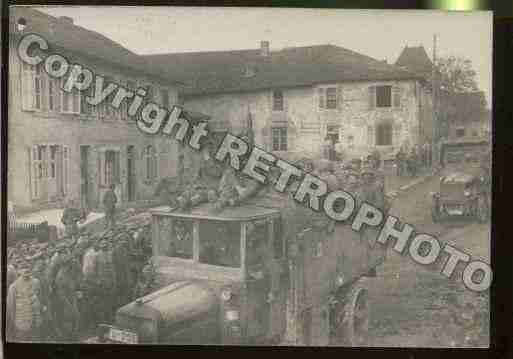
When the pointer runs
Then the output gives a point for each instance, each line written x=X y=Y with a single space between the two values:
x=29 y=128
x=307 y=124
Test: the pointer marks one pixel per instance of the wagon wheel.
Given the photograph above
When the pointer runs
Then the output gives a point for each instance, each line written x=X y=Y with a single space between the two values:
x=353 y=318
x=481 y=209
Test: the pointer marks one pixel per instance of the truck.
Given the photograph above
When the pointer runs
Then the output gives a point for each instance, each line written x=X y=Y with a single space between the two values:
x=250 y=275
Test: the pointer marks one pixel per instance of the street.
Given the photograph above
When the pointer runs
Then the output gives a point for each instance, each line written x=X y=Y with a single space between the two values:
x=413 y=305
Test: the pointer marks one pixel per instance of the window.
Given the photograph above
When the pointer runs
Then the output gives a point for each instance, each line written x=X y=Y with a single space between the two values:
x=54 y=95
x=331 y=98
x=70 y=101
x=384 y=134
x=277 y=100
x=150 y=159
x=111 y=167
x=53 y=161
x=164 y=95
x=125 y=105
x=32 y=87
x=460 y=132
x=333 y=133
x=279 y=136
x=383 y=96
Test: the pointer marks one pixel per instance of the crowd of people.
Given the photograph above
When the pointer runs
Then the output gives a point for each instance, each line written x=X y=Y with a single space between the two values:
x=409 y=162
x=60 y=290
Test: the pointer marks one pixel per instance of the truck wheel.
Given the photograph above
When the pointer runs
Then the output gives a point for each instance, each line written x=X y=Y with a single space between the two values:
x=354 y=328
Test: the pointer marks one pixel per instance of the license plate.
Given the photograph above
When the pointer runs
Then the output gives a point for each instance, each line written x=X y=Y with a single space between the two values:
x=455 y=212
x=122 y=336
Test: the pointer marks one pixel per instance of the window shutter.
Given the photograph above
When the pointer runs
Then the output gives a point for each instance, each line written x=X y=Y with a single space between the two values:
x=101 y=168
x=322 y=98
x=65 y=168
x=370 y=135
x=396 y=93
x=27 y=87
x=340 y=99
x=32 y=155
x=372 y=97
x=43 y=89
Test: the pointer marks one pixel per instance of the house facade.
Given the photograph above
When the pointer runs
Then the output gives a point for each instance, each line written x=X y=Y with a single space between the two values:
x=61 y=148
x=295 y=98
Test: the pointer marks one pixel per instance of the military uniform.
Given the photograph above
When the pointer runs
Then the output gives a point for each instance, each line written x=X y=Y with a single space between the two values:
x=24 y=309
x=109 y=202
x=70 y=218
x=106 y=282
x=65 y=307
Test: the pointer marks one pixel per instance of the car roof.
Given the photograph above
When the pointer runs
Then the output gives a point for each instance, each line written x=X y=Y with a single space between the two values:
x=205 y=211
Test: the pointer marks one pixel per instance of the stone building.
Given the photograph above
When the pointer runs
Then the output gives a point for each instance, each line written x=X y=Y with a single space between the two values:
x=59 y=146
x=296 y=97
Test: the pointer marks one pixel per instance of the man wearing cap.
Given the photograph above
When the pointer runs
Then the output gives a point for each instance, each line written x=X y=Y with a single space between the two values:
x=70 y=218
x=24 y=308
x=109 y=202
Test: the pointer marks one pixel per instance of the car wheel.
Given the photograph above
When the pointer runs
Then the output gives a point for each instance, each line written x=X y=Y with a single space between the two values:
x=482 y=210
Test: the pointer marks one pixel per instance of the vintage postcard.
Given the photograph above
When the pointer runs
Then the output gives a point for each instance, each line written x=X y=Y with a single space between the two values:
x=189 y=175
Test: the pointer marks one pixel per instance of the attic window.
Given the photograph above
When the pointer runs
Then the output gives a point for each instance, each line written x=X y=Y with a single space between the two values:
x=249 y=71
x=21 y=24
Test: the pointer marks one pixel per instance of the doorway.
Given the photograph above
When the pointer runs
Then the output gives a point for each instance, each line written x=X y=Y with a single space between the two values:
x=84 y=176
x=130 y=170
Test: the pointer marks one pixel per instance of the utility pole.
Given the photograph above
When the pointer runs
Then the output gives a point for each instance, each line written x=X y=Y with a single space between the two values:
x=434 y=91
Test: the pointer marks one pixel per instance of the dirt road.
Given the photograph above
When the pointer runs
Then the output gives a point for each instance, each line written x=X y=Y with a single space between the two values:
x=416 y=306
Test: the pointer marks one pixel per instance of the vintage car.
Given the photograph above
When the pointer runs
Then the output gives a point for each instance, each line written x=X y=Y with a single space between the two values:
x=464 y=185
x=460 y=194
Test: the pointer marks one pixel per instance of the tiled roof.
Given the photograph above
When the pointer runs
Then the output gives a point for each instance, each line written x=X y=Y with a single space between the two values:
x=224 y=71
x=415 y=59
x=67 y=35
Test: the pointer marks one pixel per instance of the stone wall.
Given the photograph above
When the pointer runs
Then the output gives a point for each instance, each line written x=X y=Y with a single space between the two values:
x=306 y=123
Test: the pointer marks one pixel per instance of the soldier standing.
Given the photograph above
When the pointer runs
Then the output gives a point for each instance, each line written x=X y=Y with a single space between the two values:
x=24 y=309
x=399 y=161
x=70 y=218
x=90 y=286
x=65 y=306
x=109 y=202
x=107 y=282
x=146 y=282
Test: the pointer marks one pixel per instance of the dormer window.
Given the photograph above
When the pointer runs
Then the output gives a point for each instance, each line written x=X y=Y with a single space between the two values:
x=21 y=24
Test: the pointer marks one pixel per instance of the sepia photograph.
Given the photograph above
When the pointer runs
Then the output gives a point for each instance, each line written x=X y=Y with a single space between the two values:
x=249 y=176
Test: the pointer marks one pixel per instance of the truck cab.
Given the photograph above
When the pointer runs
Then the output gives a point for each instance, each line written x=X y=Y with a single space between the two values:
x=220 y=277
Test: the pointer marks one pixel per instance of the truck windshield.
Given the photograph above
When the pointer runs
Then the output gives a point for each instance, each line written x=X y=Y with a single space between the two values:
x=220 y=243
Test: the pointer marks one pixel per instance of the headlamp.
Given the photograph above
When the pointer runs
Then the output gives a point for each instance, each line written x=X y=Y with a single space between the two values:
x=226 y=294
x=340 y=279
x=466 y=193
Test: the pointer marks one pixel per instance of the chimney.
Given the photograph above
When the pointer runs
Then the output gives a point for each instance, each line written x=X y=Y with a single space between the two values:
x=66 y=19
x=264 y=48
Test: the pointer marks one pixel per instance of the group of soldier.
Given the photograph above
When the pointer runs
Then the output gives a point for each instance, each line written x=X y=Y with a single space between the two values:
x=59 y=291
x=409 y=162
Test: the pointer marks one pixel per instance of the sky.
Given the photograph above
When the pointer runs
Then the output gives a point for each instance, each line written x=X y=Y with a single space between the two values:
x=381 y=34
